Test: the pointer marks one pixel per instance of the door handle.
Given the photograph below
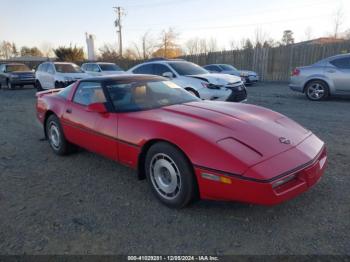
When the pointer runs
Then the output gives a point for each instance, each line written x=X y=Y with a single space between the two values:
x=68 y=111
x=331 y=71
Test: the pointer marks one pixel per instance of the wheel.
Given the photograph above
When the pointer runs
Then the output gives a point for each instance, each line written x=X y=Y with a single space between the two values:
x=170 y=175
x=9 y=84
x=193 y=92
x=38 y=86
x=59 y=85
x=317 y=90
x=56 y=138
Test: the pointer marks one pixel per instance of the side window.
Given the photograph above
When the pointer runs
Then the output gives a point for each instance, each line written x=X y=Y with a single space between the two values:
x=144 y=69
x=2 y=68
x=89 y=93
x=343 y=63
x=94 y=68
x=83 y=67
x=159 y=69
x=50 y=69
x=44 y=67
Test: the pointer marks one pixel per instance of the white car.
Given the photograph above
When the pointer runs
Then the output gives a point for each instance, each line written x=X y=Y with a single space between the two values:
x=195 y=79
x=102 y=69
x=51 y=75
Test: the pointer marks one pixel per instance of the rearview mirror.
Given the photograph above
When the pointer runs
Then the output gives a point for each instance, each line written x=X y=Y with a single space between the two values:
x=97 y=108
x=168 y=75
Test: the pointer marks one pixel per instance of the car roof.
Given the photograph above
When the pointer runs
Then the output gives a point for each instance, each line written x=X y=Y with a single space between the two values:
x=13 y=64
x=125 y=78
x=338 y=56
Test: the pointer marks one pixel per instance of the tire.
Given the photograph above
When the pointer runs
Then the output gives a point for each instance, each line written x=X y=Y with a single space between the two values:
x=317 y=90
x=9 y=84
x=170 y=175
x=192 y=91
x=59 y=85
x=57 y=141
x=38 y=86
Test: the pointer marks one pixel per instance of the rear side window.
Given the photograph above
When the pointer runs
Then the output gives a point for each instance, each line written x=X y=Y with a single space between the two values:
x=89 y=93
x=144 y=69
x=159 y=69
x=343 y=63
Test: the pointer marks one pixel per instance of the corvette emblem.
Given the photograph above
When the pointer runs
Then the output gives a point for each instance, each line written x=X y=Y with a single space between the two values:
x=284 y=140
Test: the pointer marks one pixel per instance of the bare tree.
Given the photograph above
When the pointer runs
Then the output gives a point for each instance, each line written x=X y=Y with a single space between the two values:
x=145 y=48
x=47 y=49
x=6 y=49
x=308 y=33
x=192 y=46
x=338 y=20
x=168 y=41
x=260 y=37
x=212 y=45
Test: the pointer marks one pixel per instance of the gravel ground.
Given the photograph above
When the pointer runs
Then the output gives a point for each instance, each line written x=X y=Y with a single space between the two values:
x=85 y=204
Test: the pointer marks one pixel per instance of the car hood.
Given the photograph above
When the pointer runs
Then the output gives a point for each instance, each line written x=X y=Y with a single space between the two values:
x=218 y=79
x=261 y=130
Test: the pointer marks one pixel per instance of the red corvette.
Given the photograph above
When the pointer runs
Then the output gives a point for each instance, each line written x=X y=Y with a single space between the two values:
x=185 y=147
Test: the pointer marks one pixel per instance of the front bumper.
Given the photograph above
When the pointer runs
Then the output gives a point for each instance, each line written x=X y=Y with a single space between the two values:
x=251 y=79
x=19 y=81
x=238 y=94
x=259 y=191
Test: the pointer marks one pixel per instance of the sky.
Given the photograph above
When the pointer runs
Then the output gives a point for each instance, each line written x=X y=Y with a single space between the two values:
x=64 y=22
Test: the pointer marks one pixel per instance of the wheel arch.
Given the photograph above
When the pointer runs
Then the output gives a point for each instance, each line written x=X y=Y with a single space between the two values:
x=316 y=79
x=47 y=115
x=191 y=89
x=142 y=156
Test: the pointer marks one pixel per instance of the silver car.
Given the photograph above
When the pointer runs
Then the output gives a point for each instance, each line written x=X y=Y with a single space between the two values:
x=328 y=77
x=249 y=77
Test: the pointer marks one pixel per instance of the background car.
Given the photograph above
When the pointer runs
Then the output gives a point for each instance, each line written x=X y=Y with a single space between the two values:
x=51 y=75
x=16 y=74
x=184 y=146
x=249 y=77
x=195 y=79
x=330 y=76
x=101 y=69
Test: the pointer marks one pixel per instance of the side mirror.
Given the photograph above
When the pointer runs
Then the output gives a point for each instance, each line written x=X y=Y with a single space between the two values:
x=97 y=108
x=168 y=75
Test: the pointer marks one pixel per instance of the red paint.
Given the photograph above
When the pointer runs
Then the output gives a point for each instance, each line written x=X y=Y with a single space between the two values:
x=237 y=141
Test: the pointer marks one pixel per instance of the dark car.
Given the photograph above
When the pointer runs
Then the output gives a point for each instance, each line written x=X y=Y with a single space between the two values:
x=15 y=74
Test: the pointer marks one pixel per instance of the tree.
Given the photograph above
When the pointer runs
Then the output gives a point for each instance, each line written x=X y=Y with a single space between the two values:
x=347 y=34
x=30 y=51
x=248 y=44
x=168 y=44
x=145 y=48
x=308 y=33
x=6 y=50
x=260 y=37
x=14 y=50
x=169 y=53
x=108 y=53
x=287 y=38
x=338 y=19
x=69 y=54
x=47 y=49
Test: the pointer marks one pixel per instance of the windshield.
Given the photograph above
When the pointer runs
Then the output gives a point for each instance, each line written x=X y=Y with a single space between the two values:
x=147 y=95
x=17 y=68
x=186 y=68
x=228 y=67
x=110 y=67
x=67 y=68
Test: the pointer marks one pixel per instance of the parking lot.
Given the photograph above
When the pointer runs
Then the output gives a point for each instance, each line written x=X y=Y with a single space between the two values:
x=85 y=204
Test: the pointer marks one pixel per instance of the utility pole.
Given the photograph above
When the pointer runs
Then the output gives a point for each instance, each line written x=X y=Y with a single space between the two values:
x=118 y=25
